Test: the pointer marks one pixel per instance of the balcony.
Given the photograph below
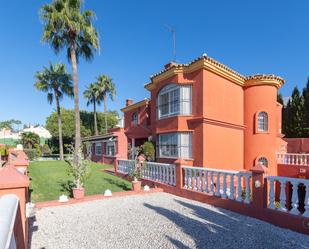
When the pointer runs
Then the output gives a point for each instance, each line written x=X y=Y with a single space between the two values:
x=293 y=159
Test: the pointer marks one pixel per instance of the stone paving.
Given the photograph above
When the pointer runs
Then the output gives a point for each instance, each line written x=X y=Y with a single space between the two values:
x=157 y=220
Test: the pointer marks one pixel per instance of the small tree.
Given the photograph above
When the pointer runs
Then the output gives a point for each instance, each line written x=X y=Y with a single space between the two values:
x=148 y=150
x=79 y=167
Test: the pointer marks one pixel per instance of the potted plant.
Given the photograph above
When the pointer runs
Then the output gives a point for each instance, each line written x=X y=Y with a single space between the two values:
x=136 y=174
x=79 y=169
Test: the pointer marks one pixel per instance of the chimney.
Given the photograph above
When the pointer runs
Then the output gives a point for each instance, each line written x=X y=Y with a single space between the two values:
x=170 y=64
x=129 y=102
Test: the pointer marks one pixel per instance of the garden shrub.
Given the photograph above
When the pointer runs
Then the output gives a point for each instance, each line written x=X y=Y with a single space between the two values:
x=148 y=150
x=31 y=153
x=46 y=151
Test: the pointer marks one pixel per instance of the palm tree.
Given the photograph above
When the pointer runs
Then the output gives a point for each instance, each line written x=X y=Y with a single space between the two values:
x=107 y=87
x=56 y=82
x=66 y=26
x=29 y=139
x=92 y=96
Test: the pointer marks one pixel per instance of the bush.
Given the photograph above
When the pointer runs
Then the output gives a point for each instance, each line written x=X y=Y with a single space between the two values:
x=38 y=150
x=31 y=153
x=148 y=150
x=46 y=151
x=3 y=151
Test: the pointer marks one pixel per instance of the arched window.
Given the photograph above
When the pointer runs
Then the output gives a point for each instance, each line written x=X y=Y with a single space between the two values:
x=174 y=99
x=263 y=161
x=262 y=121
x=134 y=118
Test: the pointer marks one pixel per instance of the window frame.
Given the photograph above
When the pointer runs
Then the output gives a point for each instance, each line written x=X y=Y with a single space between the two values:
x=134 y=121
x=262 y=158
x=177 y=147
x=110 y=144
x=96 y=150
x=262 y=122
x=175 y=100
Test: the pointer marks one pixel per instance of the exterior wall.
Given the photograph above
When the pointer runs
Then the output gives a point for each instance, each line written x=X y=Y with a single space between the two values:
x=297 y=145
x=260 y=98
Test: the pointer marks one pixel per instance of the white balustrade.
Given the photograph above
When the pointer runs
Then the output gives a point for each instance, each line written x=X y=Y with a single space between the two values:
x=293 y=197
x=293 y=159
x=159 y=172
x=126 y=166
x=8 y=211
x=218 y=182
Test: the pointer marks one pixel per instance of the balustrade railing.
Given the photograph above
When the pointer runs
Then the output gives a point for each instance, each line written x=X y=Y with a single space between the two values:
x=294 y=195
x=126 y=166
x=228 y=184
x=293 y=159
x=8 y=211
x=160 y=172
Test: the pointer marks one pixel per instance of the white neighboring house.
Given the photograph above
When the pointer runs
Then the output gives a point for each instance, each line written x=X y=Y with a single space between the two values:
x=39 y=130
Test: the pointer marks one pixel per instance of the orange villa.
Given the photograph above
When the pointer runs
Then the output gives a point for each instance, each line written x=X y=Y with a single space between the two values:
x=206 y=114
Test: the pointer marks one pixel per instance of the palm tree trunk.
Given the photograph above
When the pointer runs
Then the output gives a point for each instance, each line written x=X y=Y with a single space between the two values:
x=59 y=126
x=76 y=100
x=104 y=99
x=95 y=117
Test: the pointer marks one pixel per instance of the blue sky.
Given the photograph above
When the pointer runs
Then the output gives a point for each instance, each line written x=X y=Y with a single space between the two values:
x=248 y=36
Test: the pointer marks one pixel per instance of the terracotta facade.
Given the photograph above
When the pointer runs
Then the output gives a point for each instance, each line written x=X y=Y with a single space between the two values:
x=224 y=119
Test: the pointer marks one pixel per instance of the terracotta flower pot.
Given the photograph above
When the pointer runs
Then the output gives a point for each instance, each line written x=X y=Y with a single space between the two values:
x=136 y=185
x=78 y=193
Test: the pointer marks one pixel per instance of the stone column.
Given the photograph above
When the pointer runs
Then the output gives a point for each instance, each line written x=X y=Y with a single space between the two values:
x=259 y=187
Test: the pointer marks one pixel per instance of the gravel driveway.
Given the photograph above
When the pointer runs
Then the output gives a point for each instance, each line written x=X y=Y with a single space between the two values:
x=156 y=220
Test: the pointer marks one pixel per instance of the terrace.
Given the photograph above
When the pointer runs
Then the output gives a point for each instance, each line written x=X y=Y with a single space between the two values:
x=155 y=220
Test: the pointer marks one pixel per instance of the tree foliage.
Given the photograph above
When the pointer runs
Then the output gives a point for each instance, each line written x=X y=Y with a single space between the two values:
x=295 y=115
x=29 y=140
x=9 y=124
x=68 y=125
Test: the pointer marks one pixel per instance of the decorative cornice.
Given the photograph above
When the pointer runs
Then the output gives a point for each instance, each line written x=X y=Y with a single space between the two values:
x=217 y=123
x=135 y=105
x=264 y=79
x=207 y=63
x=202 y=62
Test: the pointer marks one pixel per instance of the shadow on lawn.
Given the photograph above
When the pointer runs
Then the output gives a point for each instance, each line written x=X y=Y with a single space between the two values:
x=66 y=187
x=118 y=183
x=220 y=229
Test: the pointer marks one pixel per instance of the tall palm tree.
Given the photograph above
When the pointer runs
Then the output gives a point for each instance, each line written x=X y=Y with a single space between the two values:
x=56 y=82
x=92 y=95
x=107 y=87
x=67 y=26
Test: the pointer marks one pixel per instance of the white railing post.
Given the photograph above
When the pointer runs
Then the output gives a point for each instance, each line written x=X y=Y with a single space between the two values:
x=232 y=197
x=271 y=193
x=218 y=184
x=224 y=186
x=282 y=195
x=211 y=182
x=239 y=188
x=206 y=190
x=247 y=199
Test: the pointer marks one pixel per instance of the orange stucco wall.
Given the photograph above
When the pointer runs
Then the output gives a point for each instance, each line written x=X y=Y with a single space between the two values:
x=257 y=144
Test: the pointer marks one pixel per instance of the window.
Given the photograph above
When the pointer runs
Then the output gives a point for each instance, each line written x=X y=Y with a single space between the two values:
x=134 y=118
x=175 y=145
x=174 y=100
x=263 y=161
x=110 y=148
x=262 y=121
x=98 y=149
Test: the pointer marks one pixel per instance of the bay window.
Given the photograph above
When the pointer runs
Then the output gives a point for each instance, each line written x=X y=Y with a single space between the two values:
x=174 y=100
x=175 y=145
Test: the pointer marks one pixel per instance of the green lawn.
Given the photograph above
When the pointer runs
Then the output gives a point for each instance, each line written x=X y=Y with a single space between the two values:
x=49 y=179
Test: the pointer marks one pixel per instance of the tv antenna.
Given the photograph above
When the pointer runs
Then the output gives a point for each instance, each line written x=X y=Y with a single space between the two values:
x=173 y=31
